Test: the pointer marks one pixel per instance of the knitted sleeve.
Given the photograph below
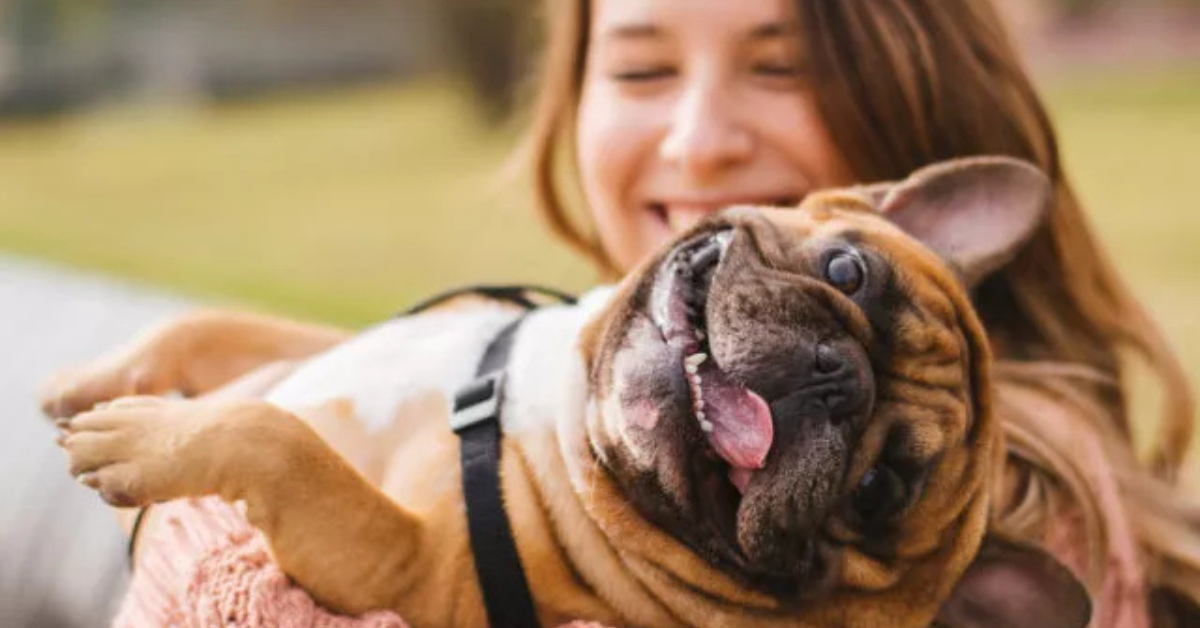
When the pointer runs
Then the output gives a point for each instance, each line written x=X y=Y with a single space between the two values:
x=206 y=567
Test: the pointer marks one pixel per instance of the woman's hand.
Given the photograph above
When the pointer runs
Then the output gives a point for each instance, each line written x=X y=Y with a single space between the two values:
x=191 y=355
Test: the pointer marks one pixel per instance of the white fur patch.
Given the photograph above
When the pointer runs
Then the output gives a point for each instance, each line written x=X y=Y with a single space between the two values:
x=547 y=379
x=386 y=365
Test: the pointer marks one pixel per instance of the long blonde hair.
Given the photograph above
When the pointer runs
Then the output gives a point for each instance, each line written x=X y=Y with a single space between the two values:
x=904 y=83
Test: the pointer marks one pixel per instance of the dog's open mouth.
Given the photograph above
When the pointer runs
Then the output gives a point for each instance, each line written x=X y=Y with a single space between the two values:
x=736 y=421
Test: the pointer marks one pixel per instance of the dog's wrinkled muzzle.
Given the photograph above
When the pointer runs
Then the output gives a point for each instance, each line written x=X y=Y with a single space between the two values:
x=777 y=392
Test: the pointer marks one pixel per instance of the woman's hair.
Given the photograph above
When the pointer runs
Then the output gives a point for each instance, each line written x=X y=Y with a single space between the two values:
x=901 y=84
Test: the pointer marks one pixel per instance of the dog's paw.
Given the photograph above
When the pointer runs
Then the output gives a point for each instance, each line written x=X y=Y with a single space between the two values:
x=117 y=449
x=140 y=450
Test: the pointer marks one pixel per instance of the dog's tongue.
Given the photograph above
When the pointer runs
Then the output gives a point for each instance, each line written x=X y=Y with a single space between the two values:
x=742 y=429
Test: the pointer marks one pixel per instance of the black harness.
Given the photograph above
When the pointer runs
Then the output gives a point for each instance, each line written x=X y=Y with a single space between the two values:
x=476 y=421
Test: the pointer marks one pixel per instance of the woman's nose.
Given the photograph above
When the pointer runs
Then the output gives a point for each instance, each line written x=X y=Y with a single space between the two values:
x=705 y=137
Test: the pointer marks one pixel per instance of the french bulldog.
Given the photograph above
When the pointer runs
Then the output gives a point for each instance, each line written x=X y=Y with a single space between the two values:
x=781 y=419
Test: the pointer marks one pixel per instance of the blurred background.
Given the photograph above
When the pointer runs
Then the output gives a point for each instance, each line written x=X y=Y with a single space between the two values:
x=337 y=160
x=332 y=160
x=327 y=159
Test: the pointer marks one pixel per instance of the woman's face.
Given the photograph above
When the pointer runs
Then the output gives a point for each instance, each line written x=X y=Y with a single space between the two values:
x=689 y=106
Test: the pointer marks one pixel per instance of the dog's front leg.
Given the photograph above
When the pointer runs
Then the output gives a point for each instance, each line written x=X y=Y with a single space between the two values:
x=193 y=354
x=335 y=534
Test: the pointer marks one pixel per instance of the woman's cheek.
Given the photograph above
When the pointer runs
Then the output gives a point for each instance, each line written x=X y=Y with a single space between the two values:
x=795 y=127
x=614 y=134
x=616 y=140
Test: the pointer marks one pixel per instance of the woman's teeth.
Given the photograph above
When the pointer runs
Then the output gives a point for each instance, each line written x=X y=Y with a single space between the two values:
x=681 y=216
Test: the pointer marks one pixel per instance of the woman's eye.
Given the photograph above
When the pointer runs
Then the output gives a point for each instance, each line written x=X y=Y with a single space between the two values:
x=881 y=493
x=778 y=70
x=643 y=75
x=845 y=271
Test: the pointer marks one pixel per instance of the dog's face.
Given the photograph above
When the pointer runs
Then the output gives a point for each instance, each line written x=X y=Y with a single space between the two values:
x=800 y=396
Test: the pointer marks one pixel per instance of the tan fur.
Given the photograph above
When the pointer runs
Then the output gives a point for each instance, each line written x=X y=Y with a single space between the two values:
x=365 y=521
x=197 y=353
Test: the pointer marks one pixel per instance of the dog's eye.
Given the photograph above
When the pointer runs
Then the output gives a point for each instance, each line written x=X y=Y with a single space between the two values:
x=845 y=271
x=881 y=493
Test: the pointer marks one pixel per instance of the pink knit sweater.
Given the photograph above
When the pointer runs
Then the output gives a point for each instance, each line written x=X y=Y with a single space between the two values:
x=210 y=569
x=206 y=567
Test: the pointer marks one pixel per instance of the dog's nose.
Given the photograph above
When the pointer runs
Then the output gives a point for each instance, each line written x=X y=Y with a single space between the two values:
x=836 y=387
x=828 y=360
x=833 y=386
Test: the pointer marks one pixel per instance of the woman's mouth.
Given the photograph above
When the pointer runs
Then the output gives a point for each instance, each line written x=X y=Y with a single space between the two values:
x=679 y=215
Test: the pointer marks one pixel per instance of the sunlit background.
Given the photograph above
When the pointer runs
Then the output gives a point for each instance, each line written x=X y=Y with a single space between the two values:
x=337 y=160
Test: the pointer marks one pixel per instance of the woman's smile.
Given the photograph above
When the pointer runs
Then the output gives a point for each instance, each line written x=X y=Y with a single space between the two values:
x=680 y=212
x=687 y=108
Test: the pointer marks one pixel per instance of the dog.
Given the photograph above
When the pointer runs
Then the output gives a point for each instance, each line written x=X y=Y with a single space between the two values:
x=782 y=419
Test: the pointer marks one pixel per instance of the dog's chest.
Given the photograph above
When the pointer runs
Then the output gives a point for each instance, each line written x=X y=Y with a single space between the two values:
x=396 y=364
x=383 y=399
x=402 y=363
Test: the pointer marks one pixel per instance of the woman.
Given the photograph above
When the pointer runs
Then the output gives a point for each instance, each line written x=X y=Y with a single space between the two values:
x=665 y=110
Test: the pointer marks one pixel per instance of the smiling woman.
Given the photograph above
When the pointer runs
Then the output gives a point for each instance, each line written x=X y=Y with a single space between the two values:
x=666 y=110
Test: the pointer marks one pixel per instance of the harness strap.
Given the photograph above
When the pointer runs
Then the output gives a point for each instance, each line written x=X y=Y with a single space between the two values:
x=517 y=294
x=476 y=420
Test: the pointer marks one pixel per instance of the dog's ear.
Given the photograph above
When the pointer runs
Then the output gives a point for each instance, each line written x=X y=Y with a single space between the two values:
x=974 y=212
x=1016 y=586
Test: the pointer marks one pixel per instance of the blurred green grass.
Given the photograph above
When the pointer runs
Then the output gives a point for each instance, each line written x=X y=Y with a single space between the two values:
x=344 y=207
x=341 y=207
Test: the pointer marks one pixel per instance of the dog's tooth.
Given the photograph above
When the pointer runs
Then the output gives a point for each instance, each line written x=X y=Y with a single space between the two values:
x=696 y=359
x=690 y=368
x=706 y=426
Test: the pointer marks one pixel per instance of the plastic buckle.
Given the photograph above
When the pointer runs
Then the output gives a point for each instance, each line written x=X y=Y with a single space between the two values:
x=477 y=402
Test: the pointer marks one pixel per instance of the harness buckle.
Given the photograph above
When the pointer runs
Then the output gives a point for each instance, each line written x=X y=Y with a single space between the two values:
x=477 y=402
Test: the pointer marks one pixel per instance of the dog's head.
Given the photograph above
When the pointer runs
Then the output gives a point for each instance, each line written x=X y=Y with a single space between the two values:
x=800 y=398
